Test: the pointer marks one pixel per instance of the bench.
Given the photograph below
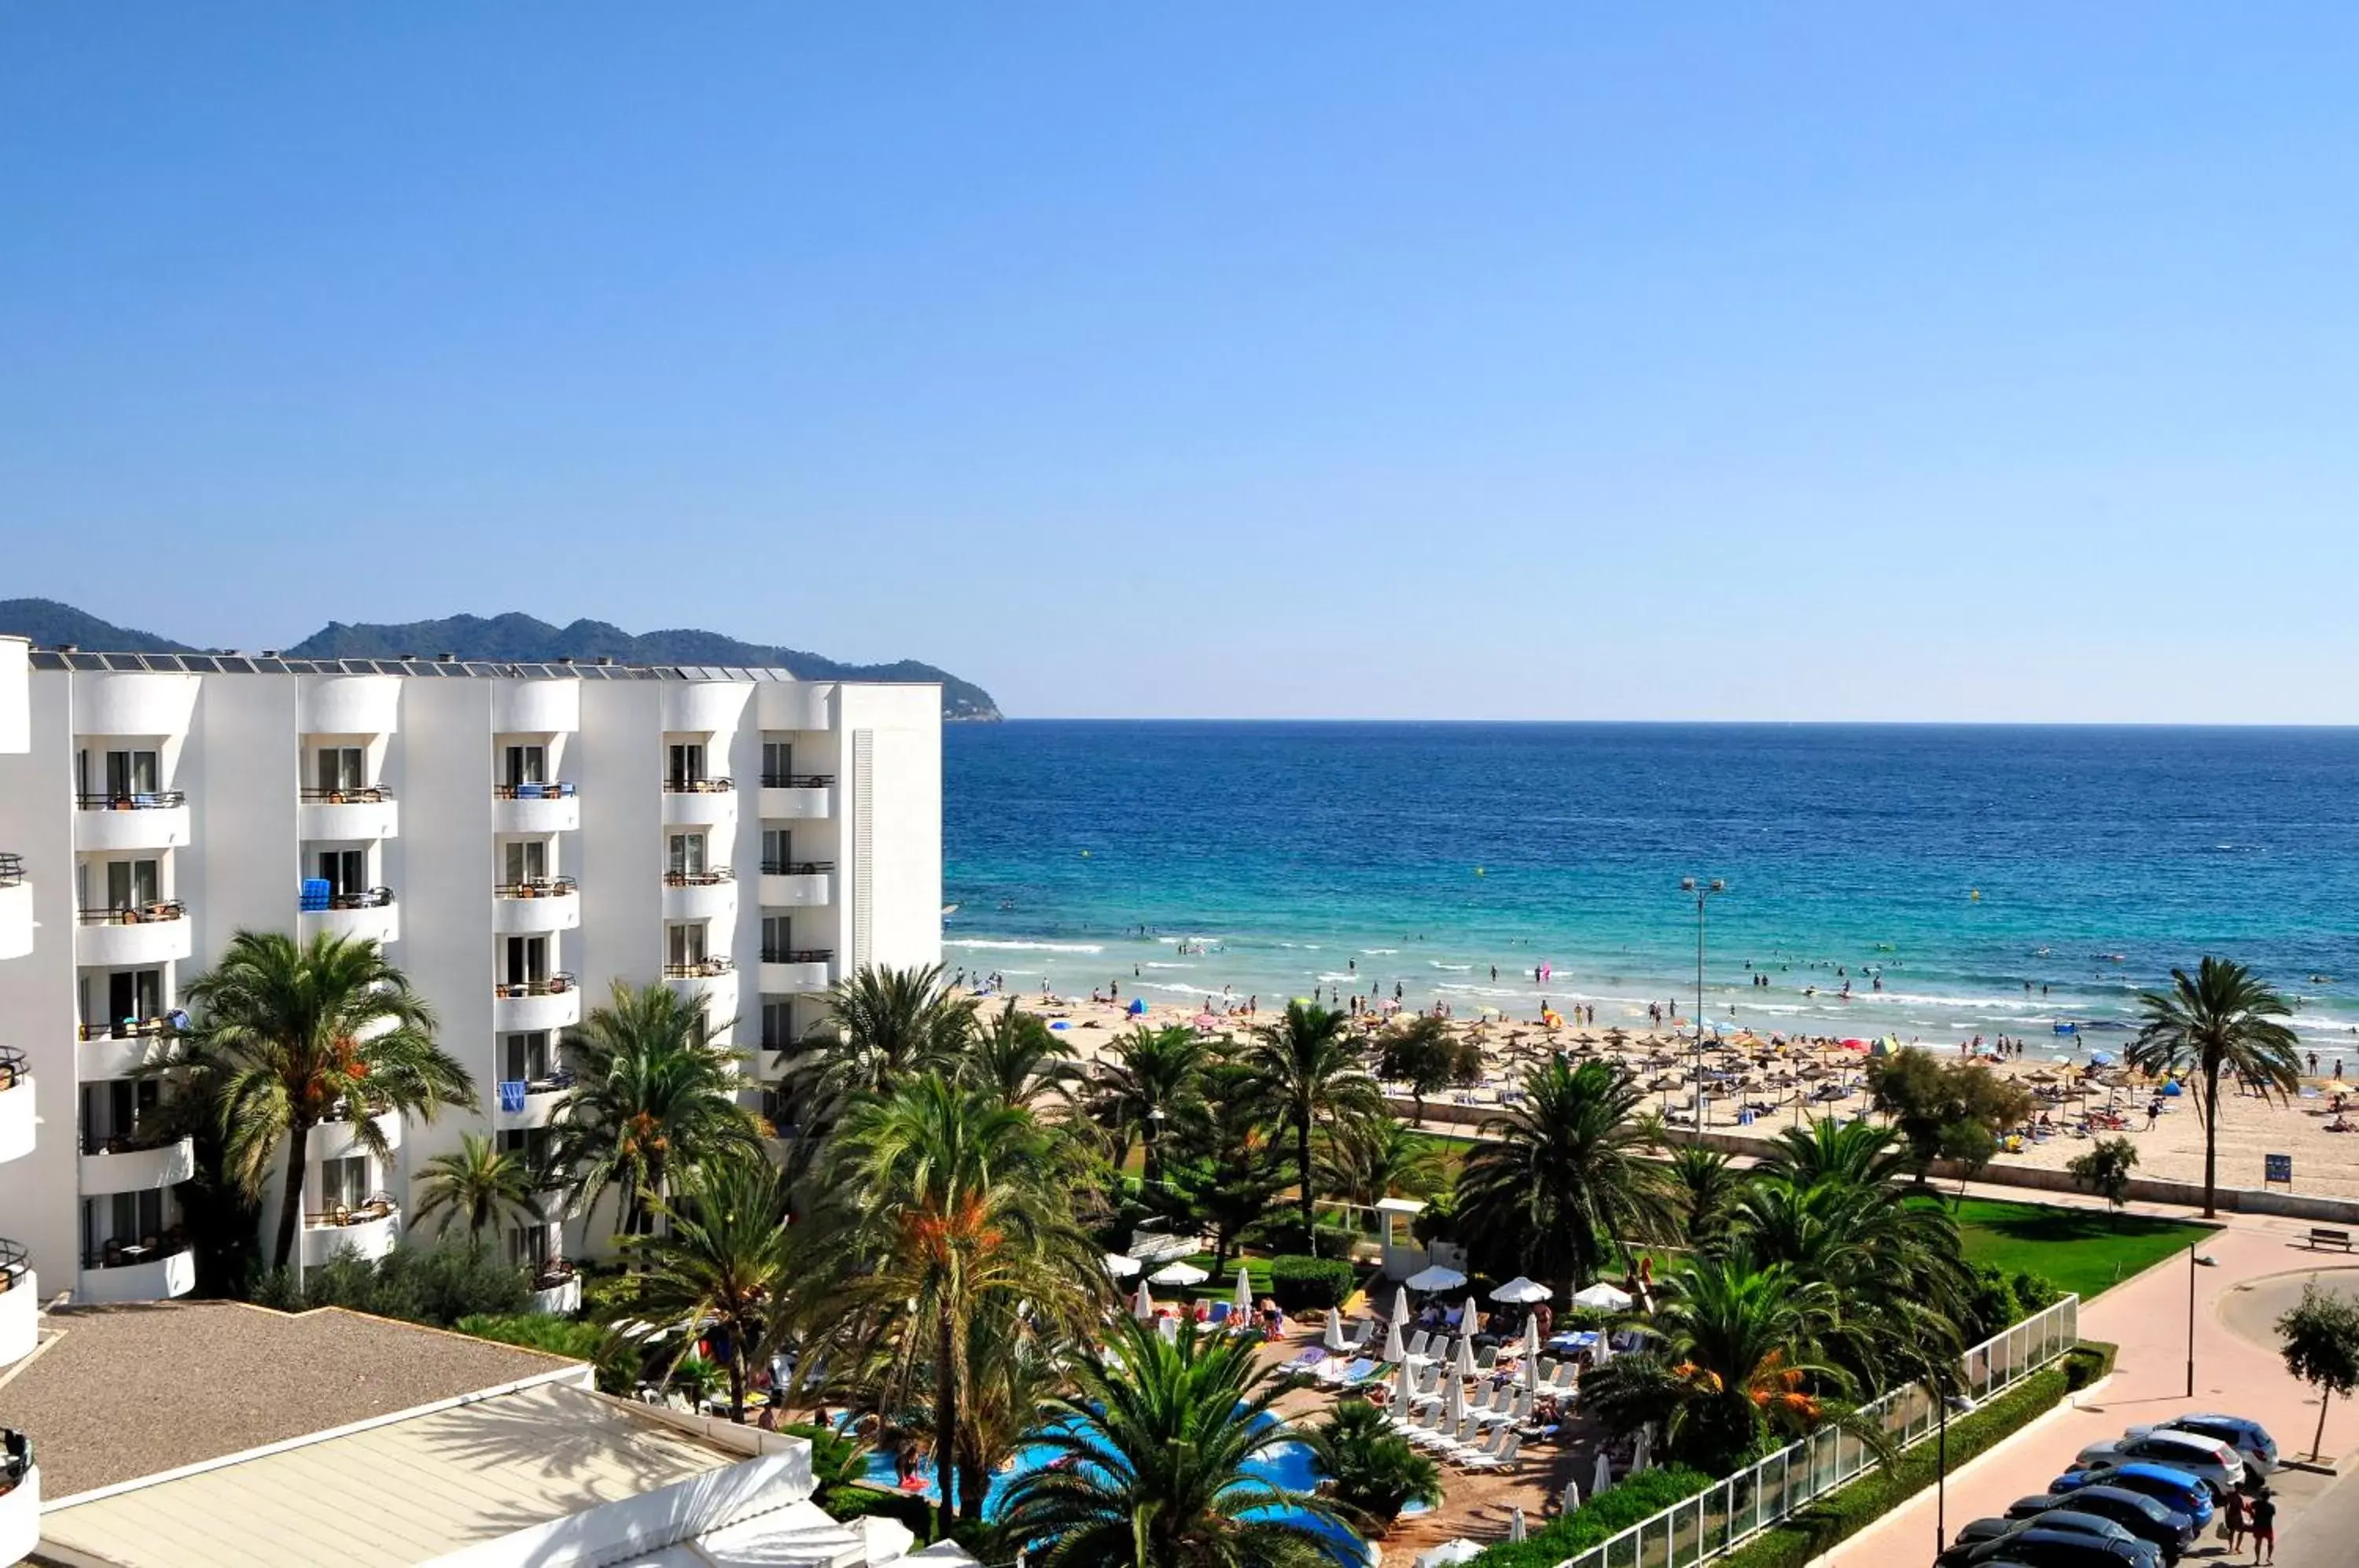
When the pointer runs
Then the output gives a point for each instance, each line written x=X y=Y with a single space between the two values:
x=2321 y=1237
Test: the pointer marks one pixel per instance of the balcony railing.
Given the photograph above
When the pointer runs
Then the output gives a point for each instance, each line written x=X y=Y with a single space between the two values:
x=132 y=800
x=351 y=795
x=797 y=954
x=360 y=899
x=553 y=1274
x=536 y=888
x=700 y=786
x=15 y=1264
x=555 y=790
x=134 y=1028
x=796 y=867
x=138 y=1140
x=340 y=1113
x=13 y=1070
x=134 y=914
x=703 y=969
x=338 y=1217
x=12 y=868
x=555 y=985
x=146 y=1250
x=798 y=781
x=513 y=1092
x=712 y=878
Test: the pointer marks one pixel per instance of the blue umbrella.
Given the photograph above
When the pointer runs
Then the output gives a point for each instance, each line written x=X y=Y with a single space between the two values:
x=1137 y=1006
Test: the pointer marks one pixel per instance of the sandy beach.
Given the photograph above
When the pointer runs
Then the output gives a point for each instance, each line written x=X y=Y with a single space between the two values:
x=1790 y=1081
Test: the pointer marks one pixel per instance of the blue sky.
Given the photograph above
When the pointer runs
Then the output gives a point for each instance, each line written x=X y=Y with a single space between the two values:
x=1939 y=361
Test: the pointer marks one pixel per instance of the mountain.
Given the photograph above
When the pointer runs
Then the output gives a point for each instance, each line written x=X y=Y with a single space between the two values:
x=509 y=637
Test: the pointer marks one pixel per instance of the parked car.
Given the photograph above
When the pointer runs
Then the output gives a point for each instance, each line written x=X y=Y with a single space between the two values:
x=2250 y=1439
x=2173 y=1488
x=1982 y=1539
x=2208 y=1459
x=2146 y=1518
x=2035 y=1547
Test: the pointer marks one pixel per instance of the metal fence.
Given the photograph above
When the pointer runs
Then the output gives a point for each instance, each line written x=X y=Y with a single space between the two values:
x=1730 y=1511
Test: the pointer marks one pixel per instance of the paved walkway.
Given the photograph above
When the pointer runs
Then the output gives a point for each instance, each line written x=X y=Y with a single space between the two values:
x=2147 y=1317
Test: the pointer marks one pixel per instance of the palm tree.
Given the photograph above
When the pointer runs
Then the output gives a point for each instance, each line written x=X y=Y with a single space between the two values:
x=938 y=1205
x=1376 y=1158
x=1304 y=1067
x=482 y=1184
x=1703 y=1186
x=1159 y=1445
x=1564 y=1173
x=1151 y=1089
x=1012 y=1367
x=652 y=1096
x=884 y=1027
x=1375 y=1471
x=1015 y=1057
x=291 y=1037
x=2222 y=1016
x=1736 y=1359
x=1858 y=1153
x=723 y=1260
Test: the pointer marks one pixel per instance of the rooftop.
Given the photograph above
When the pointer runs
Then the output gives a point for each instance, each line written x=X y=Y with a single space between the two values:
x=119 y=1392
x=275 y=664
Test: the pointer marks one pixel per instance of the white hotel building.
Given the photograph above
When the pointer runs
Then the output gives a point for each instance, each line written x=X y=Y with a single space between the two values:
x=518 y=835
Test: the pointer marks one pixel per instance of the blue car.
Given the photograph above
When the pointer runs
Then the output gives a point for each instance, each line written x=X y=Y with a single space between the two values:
x=2174 y=1489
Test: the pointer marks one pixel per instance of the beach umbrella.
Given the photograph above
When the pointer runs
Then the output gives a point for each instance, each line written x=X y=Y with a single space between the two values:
x=1601 y=1480
x=1120 y=1265
x=1400 y=1305
x=1335 y=1337
x=1434 y=1277
x=1405 y=1388
x=1453 y=1405
x=1531 y=1339
x=1144 y=1308
x=1645 y=1454
x=1394 y=1349
x=1181 y=1273
x=1603 y=1298
x=1137 y=1007
x=1571 y=1499
x=1466 y=1316
x=1466 y=1368
x=1604 y=1346
x=1516 y=1523
x=1243 y=1301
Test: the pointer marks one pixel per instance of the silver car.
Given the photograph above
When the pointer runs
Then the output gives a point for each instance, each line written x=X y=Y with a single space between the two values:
x=2214 y=1463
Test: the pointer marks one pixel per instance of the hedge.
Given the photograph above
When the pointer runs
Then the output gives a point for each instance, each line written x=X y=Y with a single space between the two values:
x=845 y=1504
x=1297 y=1282
x=1850 y=1510
x=1600 y=1518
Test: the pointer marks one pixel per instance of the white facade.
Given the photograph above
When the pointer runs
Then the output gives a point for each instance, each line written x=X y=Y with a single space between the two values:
x=20 y=1477
x=517 y=836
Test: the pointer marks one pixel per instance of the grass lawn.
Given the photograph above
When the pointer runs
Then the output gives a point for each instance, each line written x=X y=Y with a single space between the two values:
x=2084 y=1250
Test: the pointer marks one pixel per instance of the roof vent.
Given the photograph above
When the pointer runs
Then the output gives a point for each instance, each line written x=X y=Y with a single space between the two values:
x=605 y=658
x=448 y=657
x=269 y=653
x=68 y=647
x=405 y=656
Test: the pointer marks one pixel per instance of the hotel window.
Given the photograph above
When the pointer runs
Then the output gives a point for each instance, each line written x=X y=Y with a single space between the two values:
x=126 y=773
x=686 y=769
x=777 y=763
x=342 y=768
x=527 y=1144
x=130 y=885
x=526 y=860
x=346 y=871
x=686 y=854
x=117 y=1108
x=527 y=960
x=530 y=1247
x=525 y=765
x=525 y=1057
x=778 y=938
x=343 y=1183
x=777 y=850
x=127 y=1219
x=133 y=995
x=777 y=1024
x=685 y=944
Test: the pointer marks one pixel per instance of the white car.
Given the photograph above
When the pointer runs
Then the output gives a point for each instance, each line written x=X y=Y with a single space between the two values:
x=2214 y=1463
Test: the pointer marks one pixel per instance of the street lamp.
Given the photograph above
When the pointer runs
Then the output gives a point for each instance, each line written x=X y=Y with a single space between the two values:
x=1703 y=891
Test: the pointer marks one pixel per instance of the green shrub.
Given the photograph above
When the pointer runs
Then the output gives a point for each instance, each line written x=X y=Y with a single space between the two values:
x=436 y=1285
x=1846 y=1512
x=616 y=1359
x=836 y=1460
x=844 y=1504
x=2086 y=1362
x=1297 y=1284
x=1641 y=1497
x=2034 y=1293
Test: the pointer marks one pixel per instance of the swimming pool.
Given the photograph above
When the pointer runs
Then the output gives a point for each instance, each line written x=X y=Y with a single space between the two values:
x=1288 y=1464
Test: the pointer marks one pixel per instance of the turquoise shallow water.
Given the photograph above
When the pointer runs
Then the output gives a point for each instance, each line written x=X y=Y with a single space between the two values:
x=1370 y=855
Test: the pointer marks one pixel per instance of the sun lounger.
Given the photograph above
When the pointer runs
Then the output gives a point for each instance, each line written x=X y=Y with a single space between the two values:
x=1308 y=1361
x=1359 y=1371
x=1468 y=1453
x=1502 y=1459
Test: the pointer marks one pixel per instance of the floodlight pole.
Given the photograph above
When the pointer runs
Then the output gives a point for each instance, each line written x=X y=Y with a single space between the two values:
x=1703 y=890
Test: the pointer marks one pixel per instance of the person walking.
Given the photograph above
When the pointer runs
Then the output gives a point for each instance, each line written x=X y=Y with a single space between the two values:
x=2232 y=1521
x=2265 y=1527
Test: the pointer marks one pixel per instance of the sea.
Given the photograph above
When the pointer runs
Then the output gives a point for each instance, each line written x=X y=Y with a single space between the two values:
x=1961 y=880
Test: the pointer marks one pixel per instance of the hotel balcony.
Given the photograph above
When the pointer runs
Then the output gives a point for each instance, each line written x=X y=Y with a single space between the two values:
x=543 y=904
x=16 y=1120
x=368 y=1231
x=797 y=969
x=556 y=1290
x=147 y=819
x=535 y=809
x=134 y=1162
x=20 y=1497
x=525 y=1006
x=20 y=1303
x=712 y=981
x=123 y=1050
x=133 y=935
x=797 y=797
x=335 y=1139
x=529 y=1102
x=16 y=908
x=699 y=894
x=155 y=1269
x=798 y=884
x=368 y=913
x=699 y=802
x=367 y=812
